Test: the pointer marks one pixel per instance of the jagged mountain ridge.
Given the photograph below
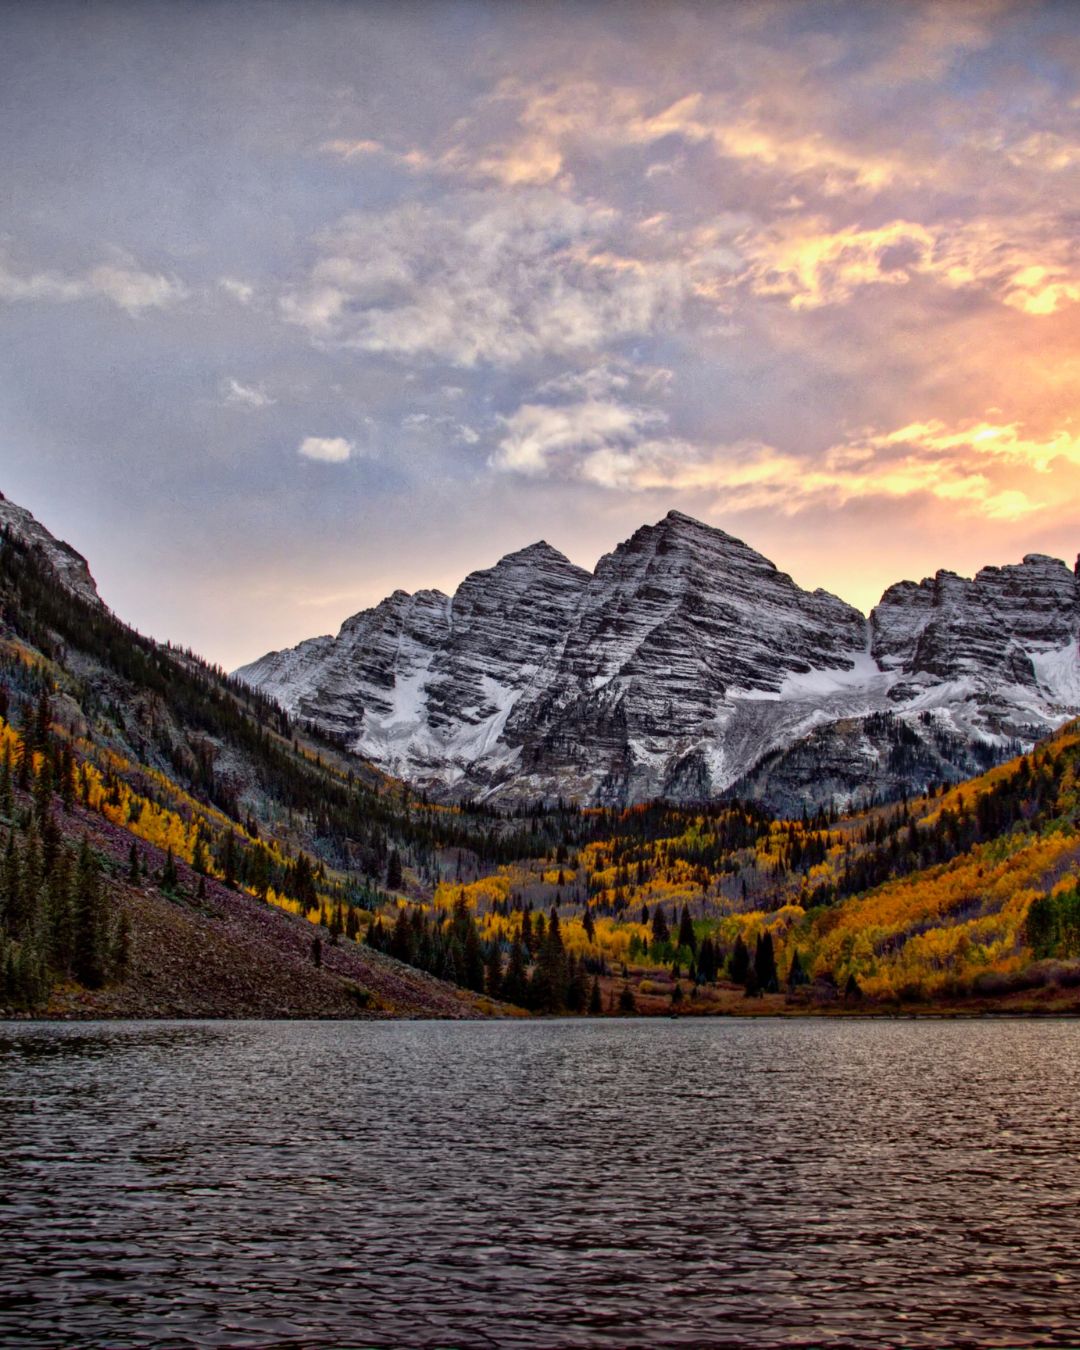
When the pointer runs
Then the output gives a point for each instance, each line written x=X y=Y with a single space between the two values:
x=69 y=567
x=686 y=666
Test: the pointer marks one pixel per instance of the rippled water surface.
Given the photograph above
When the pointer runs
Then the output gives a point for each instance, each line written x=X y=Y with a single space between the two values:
x=556 y=1184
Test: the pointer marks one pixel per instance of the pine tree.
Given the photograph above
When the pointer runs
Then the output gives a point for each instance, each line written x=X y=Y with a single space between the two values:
x=576 y=997
x=739 y=966
x=493 y=978
x=474 y=960
x=394 y=877
x=686 y=931
x=198 y=856
x=60 y=914
x=765 y=965
x=134 y=875
x=228 y=860
x=121 y=955
x=90 y=936
x=527 y=938
x=7 y=788
x=66 y=784
x=595 y=1005
x=515 y=982
x=797 y=975
x=170 y=879
x=401 y=939
x=42 y=790
x=37 y=733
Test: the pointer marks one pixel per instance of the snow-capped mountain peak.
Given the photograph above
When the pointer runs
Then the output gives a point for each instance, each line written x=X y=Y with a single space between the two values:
x=682 y=665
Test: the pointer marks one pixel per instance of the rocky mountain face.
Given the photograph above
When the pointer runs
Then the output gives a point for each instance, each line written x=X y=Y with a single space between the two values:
x=687 y=666
x=423 y=684
x=70 y=568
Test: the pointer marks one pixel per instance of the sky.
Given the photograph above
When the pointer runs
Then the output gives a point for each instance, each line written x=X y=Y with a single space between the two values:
x=301 y=302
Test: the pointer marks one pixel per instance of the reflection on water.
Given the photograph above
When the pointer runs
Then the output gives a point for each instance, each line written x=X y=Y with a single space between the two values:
x=609 y=1183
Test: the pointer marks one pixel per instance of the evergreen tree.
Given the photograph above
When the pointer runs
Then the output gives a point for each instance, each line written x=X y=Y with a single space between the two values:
x=90 y=938
x=765 y=965
x=121 y=957
x=515 y=984
x=170 y=879
x=576 y=993
x=394 y=877
x=7 y=787
x=198 y=856
x=42 y=791
x=474 y=959
x=66 y=777
x=797 y=976
x=493 y=977
x=595 y=1004
x=337 y=923
x=686 y=931
x=527 y=939
x=229 y=860
x=60 y=914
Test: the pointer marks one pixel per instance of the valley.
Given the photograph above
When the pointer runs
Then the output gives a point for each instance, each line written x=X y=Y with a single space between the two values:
x=179 y=844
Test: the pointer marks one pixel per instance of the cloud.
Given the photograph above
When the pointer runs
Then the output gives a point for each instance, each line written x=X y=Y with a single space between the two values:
x=937 y=35
x=244 y=395
x=121 y=283
x=1027 y=263
x=581 y=115
x=346 y=149
x=326 y=449
x=240 y=291
x=613 y=375
x=626 y=449
x=569 y=441
x=490 y=277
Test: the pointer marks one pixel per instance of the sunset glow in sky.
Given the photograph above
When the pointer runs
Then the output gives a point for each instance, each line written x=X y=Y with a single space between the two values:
x=301 y=303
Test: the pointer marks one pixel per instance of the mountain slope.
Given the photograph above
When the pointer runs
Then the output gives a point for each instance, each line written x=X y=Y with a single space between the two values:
x=687 y=666
x=168 y=834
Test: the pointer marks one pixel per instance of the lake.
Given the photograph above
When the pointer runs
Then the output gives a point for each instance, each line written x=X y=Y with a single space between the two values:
x=607 y=1183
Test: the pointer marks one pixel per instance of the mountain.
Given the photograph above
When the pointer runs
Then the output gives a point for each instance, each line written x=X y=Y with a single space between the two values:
x=68 y=567
x=170 y=845
x=687 y=666
x=173 y=844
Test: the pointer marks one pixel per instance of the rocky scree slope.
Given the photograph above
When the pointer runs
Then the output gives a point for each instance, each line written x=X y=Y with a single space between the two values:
x=687 y=666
